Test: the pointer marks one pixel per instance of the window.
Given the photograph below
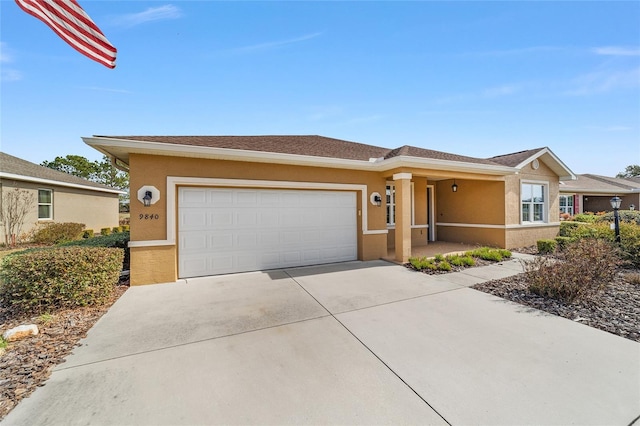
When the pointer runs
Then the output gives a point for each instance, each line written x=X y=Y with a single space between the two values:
x=533 y=199
x=391 y=205
x=566 y=204
x=45 y=204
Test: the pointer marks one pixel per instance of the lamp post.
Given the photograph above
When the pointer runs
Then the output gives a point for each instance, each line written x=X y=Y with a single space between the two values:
x=615 y=203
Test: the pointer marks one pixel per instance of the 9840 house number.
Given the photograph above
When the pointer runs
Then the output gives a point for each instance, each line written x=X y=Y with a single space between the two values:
x=148 y=216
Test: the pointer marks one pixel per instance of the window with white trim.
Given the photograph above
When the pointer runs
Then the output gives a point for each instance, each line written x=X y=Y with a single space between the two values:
x=566 y=204
x=533 y=202
x=45 y=204
x=391 y=205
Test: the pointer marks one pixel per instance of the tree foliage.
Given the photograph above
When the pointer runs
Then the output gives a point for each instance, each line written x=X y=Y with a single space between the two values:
x=101 y=172
x=630 y=171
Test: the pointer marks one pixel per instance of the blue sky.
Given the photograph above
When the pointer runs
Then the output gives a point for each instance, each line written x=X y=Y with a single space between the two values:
x=472 y=78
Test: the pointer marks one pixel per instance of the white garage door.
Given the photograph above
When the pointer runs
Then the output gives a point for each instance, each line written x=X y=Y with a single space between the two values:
x=224 y=230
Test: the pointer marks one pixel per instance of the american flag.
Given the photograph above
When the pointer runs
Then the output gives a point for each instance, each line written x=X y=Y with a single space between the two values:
x=74 y=26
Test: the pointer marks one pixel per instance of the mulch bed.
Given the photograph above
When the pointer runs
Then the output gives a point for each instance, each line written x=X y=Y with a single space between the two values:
x=615 y=310
x=27 y=363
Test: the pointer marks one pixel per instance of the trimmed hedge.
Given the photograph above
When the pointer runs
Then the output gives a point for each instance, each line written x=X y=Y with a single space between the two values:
x=585 y=217
x=36 y=281
x=629 y=216
x=546 y=246
x=629 y=238
x=55 y=233
x=120 y=240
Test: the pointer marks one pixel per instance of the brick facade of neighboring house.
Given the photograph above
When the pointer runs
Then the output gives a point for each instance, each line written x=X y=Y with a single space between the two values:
x=220 y=204
x=57 y=196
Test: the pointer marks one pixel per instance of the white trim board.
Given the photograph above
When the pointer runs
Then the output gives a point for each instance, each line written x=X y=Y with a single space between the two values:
x=174 y=181
x=485 y=225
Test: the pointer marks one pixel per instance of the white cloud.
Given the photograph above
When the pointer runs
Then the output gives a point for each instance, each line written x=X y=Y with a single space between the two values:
x=504 y=90
x=605 y=81
x=275 y=44
x=5 y=56
x=10 y=75
x=616 y=51
x=152 y=14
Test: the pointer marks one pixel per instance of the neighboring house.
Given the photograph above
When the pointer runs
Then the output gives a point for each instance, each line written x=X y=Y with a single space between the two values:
x=221 y=204
x=591 y=193
x=59 y=197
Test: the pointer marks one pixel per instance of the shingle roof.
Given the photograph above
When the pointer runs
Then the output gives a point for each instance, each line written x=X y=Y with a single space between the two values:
x=588 y=182
x=515 y=158
x=310 y=145
x=17 y=166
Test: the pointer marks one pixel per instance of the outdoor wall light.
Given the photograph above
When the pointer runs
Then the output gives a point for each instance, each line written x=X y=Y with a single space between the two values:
x=615 y=204
x=148 y=195
x=376 y=199
x=632 y=206
x=146 y=200
x=454 y=187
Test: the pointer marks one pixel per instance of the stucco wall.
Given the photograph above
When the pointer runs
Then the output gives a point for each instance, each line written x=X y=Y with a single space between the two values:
x=95 y=209
x=526 y=237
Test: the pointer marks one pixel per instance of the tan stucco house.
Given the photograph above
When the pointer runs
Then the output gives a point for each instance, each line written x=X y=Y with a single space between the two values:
x=592 y=193
x=221 y=204
x=57 y=196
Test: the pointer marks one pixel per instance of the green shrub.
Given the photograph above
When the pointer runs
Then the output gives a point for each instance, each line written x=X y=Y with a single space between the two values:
x=562 y=242
x=116 y=230
x=585 y=217
x=55 y=233
x=456 y=260
x=105 y=231
x=488 y=253
x=65 y=277
x=584 y=268
x=88 y=233
x=630 y=243
x=546 y=246
x=438 y=257
x=468 y=261
x=629 y=216
x=567 y=228
x=126 y=228
x=421 y=263
x=110 y=241
x=444 y=266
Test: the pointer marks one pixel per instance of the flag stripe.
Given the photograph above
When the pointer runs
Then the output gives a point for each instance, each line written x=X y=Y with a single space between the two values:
x=67 y=19
x=75 y=16
x=77 y=39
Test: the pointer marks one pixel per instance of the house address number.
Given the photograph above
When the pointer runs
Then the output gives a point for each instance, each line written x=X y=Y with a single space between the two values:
x=148 y=216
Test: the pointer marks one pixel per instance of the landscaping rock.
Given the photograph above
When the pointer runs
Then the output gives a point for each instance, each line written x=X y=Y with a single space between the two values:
x=20 y=332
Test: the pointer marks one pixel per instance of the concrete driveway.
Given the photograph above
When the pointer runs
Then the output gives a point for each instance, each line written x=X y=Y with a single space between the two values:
x=351 y=343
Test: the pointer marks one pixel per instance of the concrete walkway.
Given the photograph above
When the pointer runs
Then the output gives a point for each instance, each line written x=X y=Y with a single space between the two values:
x=350 y=343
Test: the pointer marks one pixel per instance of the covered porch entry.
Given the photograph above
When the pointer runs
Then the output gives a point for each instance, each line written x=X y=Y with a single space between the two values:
x=431 y=212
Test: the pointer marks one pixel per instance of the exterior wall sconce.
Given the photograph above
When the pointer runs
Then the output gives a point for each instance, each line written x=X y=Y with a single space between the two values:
x=632 y=206
x=615 y=204
x=146 y=200
x=376 y=199
x=454 y=187
x=148 y=195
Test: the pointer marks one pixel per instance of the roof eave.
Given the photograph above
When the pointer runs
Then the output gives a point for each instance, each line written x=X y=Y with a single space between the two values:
x=561 y=169
x=13 y=176
x=107 y=145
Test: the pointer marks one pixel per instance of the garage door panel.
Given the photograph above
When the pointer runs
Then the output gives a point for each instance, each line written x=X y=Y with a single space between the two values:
x=234 y=230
